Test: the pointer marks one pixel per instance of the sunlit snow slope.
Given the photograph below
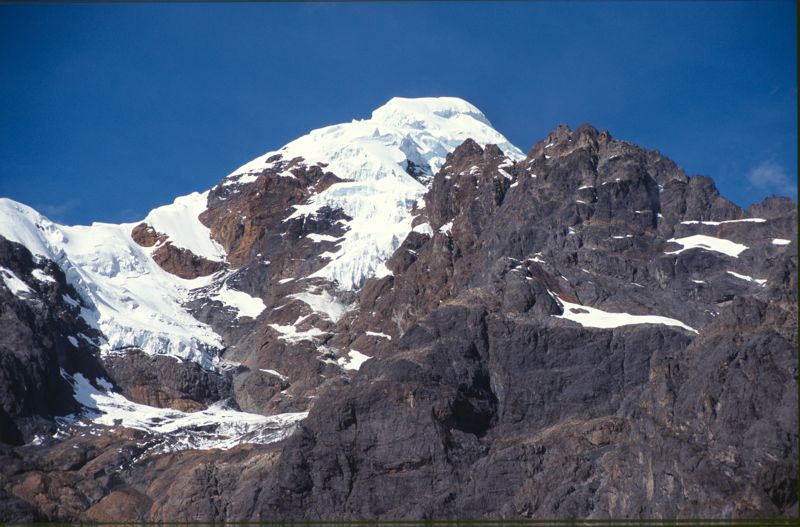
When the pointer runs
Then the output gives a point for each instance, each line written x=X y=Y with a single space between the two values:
x=127 y=296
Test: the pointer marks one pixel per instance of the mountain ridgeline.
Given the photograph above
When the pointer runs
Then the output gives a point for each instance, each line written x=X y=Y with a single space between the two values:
x=407 y=317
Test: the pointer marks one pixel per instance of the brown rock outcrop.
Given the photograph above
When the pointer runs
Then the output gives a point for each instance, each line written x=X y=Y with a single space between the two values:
x=175 y=260
x=184 y=263
x=146 y=236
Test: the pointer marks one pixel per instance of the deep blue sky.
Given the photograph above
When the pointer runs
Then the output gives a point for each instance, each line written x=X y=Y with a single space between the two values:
x=109 y=110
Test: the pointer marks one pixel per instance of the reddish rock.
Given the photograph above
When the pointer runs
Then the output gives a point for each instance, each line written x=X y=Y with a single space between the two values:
x=184 y=263
x=146 y=236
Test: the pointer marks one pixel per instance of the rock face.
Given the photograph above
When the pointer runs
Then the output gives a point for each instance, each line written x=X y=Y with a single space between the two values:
x=586 y=332
x=163 y=382
x=42 y=335
x=184 y=263
x=504 y=409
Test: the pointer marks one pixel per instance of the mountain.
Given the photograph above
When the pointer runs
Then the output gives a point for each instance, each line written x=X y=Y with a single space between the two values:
x=406 y=317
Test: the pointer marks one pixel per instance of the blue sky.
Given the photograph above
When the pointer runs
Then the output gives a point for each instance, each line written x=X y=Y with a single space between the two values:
x=107 y=111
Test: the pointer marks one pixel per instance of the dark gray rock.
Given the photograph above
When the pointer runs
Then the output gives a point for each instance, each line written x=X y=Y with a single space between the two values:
x=501 y=410
x=35 y=346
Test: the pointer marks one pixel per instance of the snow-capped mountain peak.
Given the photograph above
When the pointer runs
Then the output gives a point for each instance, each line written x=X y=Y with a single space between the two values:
x=421 y=130
x=388 y=160
x=384 y=162
x=404 y=111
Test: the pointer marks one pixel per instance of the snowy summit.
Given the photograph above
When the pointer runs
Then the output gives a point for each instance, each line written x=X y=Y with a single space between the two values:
x=379 y=155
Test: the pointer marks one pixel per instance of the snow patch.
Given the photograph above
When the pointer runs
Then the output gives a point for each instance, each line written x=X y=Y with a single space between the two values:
x=760 y=282
x=380 y=335
x=275 y=373
x=591 y=317
x=239 y=180
x=744 y=220
x=354 y=362
x=423 y=228
x=323 y=237
x=42 y=276
x=290 y=334
x=323 y=303
x=709 y=243
x=19 y=288
x=780 y=241
x=244 y=304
